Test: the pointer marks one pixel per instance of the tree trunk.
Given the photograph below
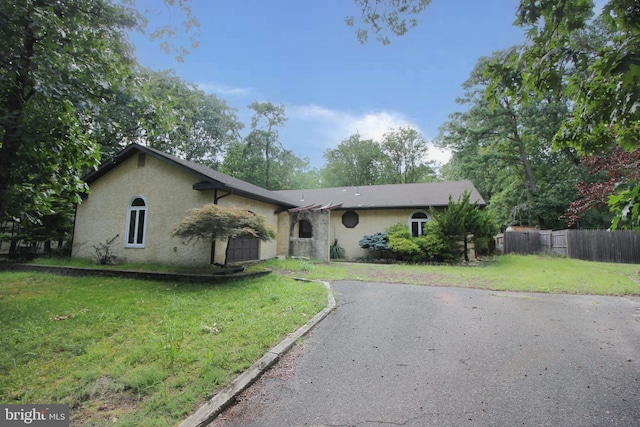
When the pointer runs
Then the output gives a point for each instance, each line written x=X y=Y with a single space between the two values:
x=531 y=182
x=17 y=98
x=13 y=249
x=266 y=156
x=466 y=249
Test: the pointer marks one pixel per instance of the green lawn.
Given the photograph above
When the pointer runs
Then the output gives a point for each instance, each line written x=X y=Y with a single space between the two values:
x=507 y=273
x=149 y=353
x=146 y=353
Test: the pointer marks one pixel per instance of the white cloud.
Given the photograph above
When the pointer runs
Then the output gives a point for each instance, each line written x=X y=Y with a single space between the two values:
x=312 y=112
x=334 y=126
x=375 y=125
x=326 y=128
x=223 y=89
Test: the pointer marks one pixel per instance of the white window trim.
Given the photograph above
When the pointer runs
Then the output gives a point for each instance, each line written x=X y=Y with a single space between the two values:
x=130 y=208
x=421 y=221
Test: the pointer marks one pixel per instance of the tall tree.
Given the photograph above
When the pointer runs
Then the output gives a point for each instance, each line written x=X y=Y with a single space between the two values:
x=245 y=160
x=266 y=120
x=503 y=146
x=355 y=161
x=406 y=152
x=193 y=125
x=69 y=90
x=60 y=62
x=603 y=91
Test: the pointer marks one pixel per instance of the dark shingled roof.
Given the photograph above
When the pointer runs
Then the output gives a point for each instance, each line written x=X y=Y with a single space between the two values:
x=209 y=179
x=387 y=196
x=419 y=195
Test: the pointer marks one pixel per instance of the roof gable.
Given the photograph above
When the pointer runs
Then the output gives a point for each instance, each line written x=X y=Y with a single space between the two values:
x=415 y=195
x=206 y=178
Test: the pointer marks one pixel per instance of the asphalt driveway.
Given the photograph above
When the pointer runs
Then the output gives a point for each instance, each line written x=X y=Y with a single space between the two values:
x=427 y=356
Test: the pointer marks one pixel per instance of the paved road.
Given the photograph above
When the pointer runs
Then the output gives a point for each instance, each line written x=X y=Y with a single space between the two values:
x=427 y=356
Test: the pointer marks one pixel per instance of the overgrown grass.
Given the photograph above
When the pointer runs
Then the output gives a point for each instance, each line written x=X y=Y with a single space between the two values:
x=145 y=353
x=148 y=353
x=538 y=273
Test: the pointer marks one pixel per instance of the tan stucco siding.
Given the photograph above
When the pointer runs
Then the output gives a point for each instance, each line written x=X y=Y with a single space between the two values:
x=370 y=222
x=267 y=249
x=284 y=223
x=168 y=192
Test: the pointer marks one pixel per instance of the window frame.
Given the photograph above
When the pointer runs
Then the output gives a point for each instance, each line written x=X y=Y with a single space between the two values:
x=305 y=227
x=350 y=219
x=419 y=221
x=137 y=212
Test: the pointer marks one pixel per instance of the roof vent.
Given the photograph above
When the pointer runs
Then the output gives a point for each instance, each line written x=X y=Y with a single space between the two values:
x=357 y=191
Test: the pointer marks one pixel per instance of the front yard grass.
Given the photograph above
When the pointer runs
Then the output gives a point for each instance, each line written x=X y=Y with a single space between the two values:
x=521 y=273
x=147 y=353
x=140 y=352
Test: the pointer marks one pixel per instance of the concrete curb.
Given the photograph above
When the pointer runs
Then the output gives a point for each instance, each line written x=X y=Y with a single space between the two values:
x=131 y=274
x=225 y=397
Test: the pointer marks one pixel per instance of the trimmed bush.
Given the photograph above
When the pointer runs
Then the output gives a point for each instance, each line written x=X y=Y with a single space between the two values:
x=375 y=242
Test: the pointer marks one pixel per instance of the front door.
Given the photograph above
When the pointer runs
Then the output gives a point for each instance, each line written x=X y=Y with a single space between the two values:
x=245 y=249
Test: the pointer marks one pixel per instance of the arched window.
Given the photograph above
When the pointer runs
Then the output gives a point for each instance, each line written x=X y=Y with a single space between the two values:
x=136 y=223
x=417 y=221
x=305 y=231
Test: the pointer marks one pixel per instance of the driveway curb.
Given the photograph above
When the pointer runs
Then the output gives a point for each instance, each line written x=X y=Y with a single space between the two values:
x=225 y=397
x=130 y=274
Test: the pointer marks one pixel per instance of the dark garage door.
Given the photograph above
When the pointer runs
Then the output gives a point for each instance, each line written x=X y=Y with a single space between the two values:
x=242 y=250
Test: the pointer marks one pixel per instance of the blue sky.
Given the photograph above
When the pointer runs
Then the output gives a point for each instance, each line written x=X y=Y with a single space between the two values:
x=301 y=54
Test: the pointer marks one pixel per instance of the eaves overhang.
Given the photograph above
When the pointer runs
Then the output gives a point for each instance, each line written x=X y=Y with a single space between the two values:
x=203 y=175
x=209 y=185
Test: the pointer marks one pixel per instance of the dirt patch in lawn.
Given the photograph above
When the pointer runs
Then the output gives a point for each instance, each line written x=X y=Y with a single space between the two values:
x=107 y=402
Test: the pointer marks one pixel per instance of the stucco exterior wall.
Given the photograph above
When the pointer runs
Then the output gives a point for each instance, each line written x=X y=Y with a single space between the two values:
x=168 y=193
x=369 y=222
x=269 y=212
x=284 y=221
x=316 y=247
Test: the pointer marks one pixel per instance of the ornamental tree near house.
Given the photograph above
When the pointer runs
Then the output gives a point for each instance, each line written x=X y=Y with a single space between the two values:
x=375 y=242
x=615 y=179
x=215 y=222
x=461 y=219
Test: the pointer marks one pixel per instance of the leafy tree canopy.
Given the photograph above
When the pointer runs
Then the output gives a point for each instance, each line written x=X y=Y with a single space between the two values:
x=405 y=153
x=355 y=161
x=213 y=222
x=381 y=16
x=459 y=220
x=69 y=88
x=196 y=126
x=60 y=64
x=598 y=81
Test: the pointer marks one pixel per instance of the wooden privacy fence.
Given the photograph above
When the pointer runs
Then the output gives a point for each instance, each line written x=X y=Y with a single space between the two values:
x=592 y=245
